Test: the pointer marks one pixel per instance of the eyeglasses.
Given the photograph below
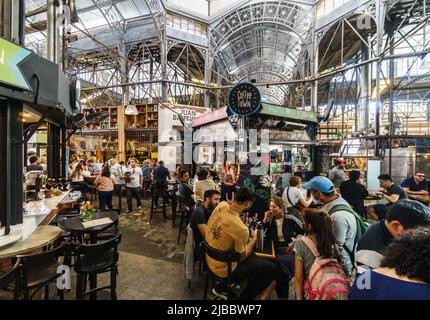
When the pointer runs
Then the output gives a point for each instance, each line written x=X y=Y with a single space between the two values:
x=421 y=176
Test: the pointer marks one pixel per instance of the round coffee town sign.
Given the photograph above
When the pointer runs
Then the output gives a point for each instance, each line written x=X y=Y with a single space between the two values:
x=244 y=99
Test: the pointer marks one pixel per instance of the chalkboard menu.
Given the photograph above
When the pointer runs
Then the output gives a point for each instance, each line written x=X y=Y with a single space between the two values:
x=244 y=99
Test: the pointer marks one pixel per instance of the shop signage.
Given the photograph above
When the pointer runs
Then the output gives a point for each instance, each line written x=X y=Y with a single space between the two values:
x=11 y=56
x=290 y=113
x=209 y=117
x=244 y=99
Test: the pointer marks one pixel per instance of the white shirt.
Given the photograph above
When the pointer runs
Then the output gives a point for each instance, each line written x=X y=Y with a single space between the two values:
x=118 y=171
x=279 y=227
x=80 y=178
x=136 y=173
x=294 y=193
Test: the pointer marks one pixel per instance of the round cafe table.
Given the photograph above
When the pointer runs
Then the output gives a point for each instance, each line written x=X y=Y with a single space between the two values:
x=42 y=236
x=74 y=224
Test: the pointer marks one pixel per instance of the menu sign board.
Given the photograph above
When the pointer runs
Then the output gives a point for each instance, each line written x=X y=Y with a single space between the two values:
x=244 y=99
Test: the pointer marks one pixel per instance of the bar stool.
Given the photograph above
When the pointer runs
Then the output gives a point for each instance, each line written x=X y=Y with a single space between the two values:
x=155 y=195
x=185 y=215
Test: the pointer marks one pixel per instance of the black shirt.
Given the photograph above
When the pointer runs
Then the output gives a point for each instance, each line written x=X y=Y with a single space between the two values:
x=200 y=216
x=161 y=174
x=377 y=238
x=396 y=189
x=186 y=193
x=354 y=193
x=410 y=183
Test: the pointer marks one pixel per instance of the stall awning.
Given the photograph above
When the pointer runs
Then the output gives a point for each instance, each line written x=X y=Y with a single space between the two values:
x=210 y=117
x=215 y=132
x=289 y=113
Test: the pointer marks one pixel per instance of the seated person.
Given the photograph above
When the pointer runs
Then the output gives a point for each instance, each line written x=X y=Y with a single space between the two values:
x=392 y=194
x=404 y=272
x=200 y=217
x=282 y=230
x=186 y=190
x=319 y=232
x=226 y=231
x=202 y=185
x=79 y=173
x=354 y=192
x=294 y=198
x=402 y=216
x=416 y=185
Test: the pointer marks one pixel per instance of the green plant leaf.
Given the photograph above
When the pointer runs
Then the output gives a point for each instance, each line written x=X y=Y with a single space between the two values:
x=262 y=193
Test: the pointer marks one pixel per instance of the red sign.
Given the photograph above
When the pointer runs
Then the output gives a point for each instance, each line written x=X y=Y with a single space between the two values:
x=210 y=117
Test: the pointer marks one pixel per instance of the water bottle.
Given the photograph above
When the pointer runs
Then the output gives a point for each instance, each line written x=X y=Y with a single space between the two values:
x=260 y=237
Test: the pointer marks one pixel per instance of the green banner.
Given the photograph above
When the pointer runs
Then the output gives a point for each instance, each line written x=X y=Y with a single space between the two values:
x=290 y=113
x=11 y=55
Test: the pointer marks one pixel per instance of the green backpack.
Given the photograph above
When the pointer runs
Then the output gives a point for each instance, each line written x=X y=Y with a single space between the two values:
x=362 y=227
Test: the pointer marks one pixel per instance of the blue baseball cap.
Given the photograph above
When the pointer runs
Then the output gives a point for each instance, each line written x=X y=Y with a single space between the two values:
x=321 y=184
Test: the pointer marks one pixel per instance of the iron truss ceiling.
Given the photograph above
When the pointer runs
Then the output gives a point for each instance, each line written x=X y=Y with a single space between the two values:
x=263 y=41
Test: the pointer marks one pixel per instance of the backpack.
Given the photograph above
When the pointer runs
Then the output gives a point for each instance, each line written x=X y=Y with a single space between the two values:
x=362 y=227
x=327 y=280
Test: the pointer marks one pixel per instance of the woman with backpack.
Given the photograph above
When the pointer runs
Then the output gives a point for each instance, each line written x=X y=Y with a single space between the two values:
x=318 y=272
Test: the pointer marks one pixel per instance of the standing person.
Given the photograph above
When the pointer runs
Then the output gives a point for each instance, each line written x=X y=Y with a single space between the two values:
x=105 y=182
x=147 y=173
x=293 y=197
x=319 y=241
x=203 y=184
x=354 y=192
x=93 y=167
x=79 y=173
x=343 y=221
x=392 y=194
x=416 y=185
x=226 y=231
x=34 y=164
x=118 y=169
x=337 y=174
x=73 y=161
x=134 y=181
x=404 y=272
x=160 y=174
x=403 y=216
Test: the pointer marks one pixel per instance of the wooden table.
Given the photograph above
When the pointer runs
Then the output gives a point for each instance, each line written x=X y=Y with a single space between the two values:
x=41 y=237
x=268 y=251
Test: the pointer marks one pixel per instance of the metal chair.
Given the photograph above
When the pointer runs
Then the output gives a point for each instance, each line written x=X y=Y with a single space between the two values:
x=228 y=257
x=156 y=192
x=94 y=259
x=10 y=283
x=185 y=216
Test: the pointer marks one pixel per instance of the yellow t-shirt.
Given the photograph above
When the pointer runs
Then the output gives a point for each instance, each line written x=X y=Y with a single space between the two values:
x=226 y=232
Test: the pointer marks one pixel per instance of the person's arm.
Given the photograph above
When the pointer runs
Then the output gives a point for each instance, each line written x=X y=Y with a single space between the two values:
x=141 y=180
x=202 y=228
x=392 y=199
x=305 y=203
x=248 y=250
x=417 y=193
x=298 y=278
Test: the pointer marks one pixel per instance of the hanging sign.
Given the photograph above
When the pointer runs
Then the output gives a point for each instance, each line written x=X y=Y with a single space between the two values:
x=244 y=99
x=11 y=56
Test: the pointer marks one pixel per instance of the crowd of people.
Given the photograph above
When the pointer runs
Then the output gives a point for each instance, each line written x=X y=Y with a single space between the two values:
x=322 y=240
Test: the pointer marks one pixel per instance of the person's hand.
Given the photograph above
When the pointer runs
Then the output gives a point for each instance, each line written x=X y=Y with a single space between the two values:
x=267 y=216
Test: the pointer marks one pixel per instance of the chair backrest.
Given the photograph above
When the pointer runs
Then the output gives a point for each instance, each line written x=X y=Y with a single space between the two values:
x=104 y=250
x=228 y=257
x=44 y=259
x=13 y=276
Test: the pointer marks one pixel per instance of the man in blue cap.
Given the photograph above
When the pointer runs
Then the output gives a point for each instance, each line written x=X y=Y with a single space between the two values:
x=343 y=222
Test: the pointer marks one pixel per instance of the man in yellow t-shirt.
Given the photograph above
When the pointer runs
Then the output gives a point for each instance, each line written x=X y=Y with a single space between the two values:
x=226 y=232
